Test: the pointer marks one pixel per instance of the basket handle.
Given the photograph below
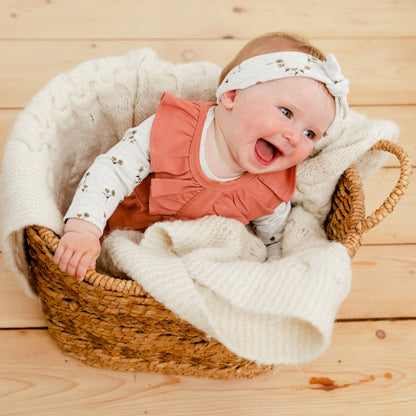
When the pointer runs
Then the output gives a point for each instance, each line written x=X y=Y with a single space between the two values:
x=398 y=191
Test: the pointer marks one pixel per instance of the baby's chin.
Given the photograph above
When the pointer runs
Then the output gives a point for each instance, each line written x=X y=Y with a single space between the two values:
x=257 y=170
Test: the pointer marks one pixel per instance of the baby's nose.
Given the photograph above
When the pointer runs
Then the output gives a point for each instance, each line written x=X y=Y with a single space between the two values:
x=293 y=134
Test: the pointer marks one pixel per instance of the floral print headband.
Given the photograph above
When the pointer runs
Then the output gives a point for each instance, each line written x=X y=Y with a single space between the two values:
x=271 y=66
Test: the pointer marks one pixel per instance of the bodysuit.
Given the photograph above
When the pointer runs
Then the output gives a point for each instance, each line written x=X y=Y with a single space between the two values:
x=143 y=180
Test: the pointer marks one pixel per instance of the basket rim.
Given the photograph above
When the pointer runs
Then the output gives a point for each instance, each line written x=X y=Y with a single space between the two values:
x=50 y=240
x=352 y=238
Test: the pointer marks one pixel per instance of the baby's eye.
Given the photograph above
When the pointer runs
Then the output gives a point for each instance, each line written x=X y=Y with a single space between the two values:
x=309 y=134
x=286 y=112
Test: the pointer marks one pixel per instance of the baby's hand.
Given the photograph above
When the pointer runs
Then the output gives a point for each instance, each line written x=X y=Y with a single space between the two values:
x=79 y=247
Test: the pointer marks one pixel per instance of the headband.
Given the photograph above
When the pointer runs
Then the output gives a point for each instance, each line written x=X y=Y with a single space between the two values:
x=271 y=66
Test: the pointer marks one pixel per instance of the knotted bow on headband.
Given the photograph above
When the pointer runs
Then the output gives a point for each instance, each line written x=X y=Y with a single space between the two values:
x=271 y=66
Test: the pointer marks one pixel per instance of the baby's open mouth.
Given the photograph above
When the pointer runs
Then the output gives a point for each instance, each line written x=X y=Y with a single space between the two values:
x=266 y=152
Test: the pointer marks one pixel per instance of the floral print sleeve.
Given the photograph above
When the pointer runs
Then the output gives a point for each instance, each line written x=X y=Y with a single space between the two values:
x=270 y=229
x=113 y=176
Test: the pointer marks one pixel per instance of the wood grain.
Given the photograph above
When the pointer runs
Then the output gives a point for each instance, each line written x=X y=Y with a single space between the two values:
x=16 y=309
x=378 y=72
x=80 y=19
x=368 y=370
x=398 y=227
x=370 y=367
x=383 y=283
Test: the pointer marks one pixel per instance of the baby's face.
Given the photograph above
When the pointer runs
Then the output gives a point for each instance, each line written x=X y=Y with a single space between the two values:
x=274 y=125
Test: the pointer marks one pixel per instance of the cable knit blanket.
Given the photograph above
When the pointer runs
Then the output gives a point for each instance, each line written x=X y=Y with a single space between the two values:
x=212 y=271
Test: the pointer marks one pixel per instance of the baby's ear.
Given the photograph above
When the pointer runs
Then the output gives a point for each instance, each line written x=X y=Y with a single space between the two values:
x=228 y=98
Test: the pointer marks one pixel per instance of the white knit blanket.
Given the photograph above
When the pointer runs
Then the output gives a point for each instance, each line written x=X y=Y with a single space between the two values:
x=211 y=271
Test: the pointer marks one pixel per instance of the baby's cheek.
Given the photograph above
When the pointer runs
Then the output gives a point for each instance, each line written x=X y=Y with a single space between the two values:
x=308 y=149
x=247 y=123
x=302 y=153
x=261 y=126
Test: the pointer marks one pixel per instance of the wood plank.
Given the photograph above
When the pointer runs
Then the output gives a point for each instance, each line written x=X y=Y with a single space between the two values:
x=31 y=64
x=199 y=18
x=16 y=309
x=371 y=67
x=402 y=115
x=7 y=119
x=383 y=286
x=383 y=283
x=366 y=361
x=398 y=227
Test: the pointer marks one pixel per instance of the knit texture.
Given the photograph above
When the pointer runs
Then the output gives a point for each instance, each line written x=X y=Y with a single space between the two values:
x=212 y=271
x=74 y=118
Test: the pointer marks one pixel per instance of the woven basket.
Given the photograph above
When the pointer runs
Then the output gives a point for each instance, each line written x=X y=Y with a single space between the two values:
x=113 y=323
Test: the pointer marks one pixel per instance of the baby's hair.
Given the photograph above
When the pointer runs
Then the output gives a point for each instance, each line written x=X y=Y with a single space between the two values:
x=269 y=43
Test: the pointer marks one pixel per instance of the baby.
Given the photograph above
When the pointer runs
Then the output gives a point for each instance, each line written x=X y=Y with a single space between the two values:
x=235 y=158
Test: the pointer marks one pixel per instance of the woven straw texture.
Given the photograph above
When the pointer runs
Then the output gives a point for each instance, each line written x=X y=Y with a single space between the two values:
x=113 y=323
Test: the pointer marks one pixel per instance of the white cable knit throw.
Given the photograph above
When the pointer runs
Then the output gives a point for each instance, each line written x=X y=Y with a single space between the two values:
x=211 y=271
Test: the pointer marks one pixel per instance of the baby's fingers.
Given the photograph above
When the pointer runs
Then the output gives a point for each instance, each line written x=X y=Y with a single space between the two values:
x=93 y=261
x=83 y=266
x=63 y=259
x=74 y=263
x=58 y=254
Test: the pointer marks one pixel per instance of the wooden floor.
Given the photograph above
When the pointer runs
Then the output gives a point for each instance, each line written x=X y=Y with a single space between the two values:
x=370 y=368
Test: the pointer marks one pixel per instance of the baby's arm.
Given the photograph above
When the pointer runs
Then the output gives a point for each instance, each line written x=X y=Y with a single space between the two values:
x=270 y=229
x=79 y=247
x=111 y=178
